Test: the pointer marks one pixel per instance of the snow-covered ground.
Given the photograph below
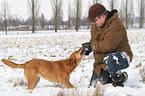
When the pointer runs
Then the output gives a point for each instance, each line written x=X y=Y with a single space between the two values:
x=23 y=46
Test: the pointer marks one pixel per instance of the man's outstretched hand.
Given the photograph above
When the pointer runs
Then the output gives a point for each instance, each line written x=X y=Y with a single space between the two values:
x=87 y=48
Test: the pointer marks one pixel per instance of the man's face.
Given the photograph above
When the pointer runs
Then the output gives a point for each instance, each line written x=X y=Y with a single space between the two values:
x=99 y=21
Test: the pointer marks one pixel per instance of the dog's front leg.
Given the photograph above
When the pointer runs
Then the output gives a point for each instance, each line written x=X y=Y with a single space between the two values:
x=30 y=84
x=31 y=78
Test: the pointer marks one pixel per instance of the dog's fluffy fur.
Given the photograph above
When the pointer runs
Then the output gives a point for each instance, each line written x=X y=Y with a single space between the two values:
x=54 y=71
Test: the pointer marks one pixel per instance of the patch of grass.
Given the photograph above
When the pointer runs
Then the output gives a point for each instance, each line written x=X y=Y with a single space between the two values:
x=64 y=49
x=58 y=85
x=66 y=92
x=76 y=92
x=99 y=90
x=10 y=80
x=52 y=55
x=17 y=82
x=142 y=73
x=61 y=93
x=138 y=65
x=129 y=95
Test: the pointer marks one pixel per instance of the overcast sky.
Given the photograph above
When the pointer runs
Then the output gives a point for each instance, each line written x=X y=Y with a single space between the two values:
x=20 y=8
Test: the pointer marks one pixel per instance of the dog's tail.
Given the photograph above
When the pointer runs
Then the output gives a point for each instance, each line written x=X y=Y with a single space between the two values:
x=12 y=64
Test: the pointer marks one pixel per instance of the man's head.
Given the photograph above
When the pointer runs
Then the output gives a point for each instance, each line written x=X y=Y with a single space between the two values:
x=97 y=15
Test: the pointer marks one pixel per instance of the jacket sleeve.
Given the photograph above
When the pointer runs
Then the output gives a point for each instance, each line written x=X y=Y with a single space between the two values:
x=111 y=39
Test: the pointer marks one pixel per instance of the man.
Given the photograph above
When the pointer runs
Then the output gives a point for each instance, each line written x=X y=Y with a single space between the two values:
x=110 y=45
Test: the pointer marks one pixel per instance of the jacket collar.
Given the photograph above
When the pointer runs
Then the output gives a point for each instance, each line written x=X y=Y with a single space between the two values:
x=111 y=15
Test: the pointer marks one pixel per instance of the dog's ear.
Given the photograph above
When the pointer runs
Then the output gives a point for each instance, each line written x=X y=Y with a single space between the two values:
x=73 y=55
x=72 y=58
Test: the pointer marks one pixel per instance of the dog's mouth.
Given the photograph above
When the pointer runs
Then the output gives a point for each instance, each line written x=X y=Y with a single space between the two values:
x=82 y=51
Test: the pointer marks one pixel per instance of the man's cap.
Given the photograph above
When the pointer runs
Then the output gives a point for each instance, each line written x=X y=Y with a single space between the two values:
x=94 y=11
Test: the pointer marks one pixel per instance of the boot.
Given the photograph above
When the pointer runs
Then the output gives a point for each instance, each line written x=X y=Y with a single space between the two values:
x=94 y=80
x=118 y=81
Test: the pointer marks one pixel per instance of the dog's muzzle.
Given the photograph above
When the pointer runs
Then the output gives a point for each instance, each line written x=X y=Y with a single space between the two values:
x=83 y=51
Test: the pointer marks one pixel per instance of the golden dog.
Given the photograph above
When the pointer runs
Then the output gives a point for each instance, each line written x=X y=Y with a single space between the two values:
x=54 y=71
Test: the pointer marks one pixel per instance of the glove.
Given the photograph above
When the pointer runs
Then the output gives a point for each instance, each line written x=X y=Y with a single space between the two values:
x=87 y=48
x=86 y=52
x=118 y=81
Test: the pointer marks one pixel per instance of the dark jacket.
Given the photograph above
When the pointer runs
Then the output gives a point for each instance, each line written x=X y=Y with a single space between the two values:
x=111 y=37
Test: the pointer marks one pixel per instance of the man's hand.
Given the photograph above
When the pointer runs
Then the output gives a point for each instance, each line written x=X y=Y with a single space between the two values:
x=87 y=48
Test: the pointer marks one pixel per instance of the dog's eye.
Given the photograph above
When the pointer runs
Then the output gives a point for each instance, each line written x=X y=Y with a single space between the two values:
x=76 y=51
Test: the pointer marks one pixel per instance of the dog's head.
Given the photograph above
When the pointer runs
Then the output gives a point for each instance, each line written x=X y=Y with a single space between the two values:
x=77 y=56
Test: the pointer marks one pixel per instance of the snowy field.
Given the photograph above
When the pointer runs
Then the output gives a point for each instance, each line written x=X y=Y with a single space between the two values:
x=23 y=46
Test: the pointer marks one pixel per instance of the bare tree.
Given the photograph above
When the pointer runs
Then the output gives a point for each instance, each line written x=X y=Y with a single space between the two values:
x=57 y=13
x=112 y=4
x=42 y=21
x=34 y=7
x=95 y=1
x=122 y=10
x=1 y=23
x=126 y=13
x=69 y=15
x=78 y=12
x=5 y=14
x=87 y=12
x=141 y=22
x=131 y=15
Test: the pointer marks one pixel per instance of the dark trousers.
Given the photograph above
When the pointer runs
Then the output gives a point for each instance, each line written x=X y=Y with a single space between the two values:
x=114 y=62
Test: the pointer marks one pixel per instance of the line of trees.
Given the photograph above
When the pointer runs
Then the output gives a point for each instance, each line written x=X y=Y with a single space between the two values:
x=34 y=7
x=75 y=19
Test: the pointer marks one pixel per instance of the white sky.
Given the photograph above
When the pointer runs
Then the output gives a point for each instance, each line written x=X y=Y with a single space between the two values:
x=19 y=7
